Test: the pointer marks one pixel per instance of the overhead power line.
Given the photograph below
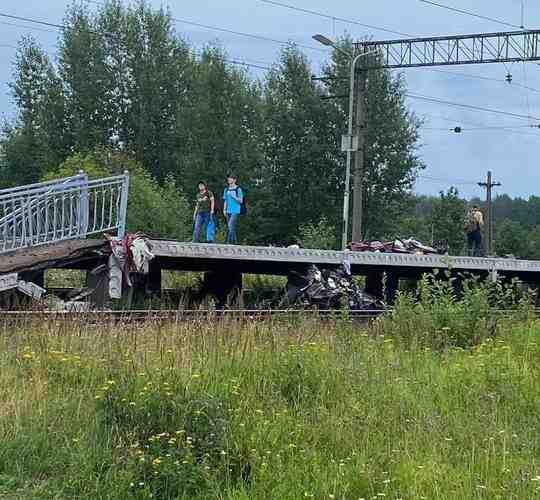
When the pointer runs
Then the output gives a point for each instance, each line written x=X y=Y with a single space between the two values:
x=473 y=14
x=469 y=106
x=379 y=28
x=60 y=27
x=455 y=182
x=34 y=21
x=253 y=36
x=247 y=35
x=25 y=26
x=334 y=18
x=485 y=78
x=247 y=64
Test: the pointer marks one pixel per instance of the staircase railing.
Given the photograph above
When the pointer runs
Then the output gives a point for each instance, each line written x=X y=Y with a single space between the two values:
x=63 y=209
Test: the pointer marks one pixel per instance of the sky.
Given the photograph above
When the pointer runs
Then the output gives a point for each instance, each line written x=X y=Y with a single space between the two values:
x=460 y=160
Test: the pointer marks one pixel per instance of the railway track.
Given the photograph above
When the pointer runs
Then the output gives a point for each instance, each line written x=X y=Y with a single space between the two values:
x=161 y=316
x=157 y=316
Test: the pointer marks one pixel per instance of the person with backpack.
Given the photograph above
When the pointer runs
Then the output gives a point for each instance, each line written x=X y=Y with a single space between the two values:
x=234 y=205
x=474 y=222
x=204 y=213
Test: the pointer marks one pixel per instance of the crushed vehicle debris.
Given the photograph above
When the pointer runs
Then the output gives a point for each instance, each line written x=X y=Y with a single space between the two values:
x=405 y=246
x=329 y=289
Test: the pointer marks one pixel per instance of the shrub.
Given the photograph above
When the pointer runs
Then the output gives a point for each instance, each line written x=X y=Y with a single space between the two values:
x=321 y=235
x=443 y=316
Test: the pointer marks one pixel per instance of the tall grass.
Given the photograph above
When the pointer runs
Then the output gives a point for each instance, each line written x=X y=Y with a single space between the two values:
x=284 y=409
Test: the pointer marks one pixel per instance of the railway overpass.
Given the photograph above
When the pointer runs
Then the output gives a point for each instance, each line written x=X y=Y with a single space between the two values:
x=59 y=224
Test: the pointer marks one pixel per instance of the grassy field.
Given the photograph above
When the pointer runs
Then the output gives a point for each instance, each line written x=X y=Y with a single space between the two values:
x=436 y=401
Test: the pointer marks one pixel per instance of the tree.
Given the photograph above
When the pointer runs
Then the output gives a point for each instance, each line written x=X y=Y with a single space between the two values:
x=447 y=220
x=321 y=235
x=221 y=125
x=391 y=161
x=36 y=142
x=511 y=238
x=300 y=177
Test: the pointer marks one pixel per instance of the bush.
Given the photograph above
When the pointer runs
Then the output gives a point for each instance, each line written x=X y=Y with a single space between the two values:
x=321 y=235
x=442 y=316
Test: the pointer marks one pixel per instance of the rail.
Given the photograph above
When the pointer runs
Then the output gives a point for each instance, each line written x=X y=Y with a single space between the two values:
x=63 y=209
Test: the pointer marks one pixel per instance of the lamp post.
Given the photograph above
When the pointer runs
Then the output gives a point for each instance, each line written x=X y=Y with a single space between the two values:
x=350 y=142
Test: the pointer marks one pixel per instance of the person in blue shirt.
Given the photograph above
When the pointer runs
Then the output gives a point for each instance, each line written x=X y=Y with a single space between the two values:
x=233 y=198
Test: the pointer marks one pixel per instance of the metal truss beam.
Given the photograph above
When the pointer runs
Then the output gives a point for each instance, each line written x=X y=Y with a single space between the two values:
x=515 y=46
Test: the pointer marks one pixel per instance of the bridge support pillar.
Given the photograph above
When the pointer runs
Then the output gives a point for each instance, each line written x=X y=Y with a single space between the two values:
x=383 y=286
x=154 y=280
x=225 y=285
x=374 y=284
x=392 y=286
x=98 y=280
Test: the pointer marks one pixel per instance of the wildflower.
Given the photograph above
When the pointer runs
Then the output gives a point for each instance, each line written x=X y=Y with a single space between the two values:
x=156 y=462
x=27 y=355
x=132 y=403
x=223 y=452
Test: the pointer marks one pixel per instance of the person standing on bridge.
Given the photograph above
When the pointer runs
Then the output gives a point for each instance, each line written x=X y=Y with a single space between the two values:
x=204 y=212
x=474 y=223
x=233 y=206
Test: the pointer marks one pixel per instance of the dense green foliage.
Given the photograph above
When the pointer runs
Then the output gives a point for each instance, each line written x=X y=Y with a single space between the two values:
x=516 y=222
x=437 y=400
x=126 y=81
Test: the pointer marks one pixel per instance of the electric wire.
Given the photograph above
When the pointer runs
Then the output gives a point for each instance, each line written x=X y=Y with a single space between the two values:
x=59 y=27
x=334 y=18
x=473 y=14
x=468 y=106
x=25 y=26
x=455 y=182
x=236 y=61
x=233 y=32
x=379 y=28
x=485 y=78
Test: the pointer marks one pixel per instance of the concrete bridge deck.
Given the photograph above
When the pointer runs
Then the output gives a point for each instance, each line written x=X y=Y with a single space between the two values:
x=185 y=256
x=278 y=261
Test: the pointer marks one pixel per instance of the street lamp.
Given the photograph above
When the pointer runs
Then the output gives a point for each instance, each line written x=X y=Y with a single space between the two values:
x=350 y=141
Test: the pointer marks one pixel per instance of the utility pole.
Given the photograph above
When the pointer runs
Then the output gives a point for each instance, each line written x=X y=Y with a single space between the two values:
x=359 y=156
x=489 y=185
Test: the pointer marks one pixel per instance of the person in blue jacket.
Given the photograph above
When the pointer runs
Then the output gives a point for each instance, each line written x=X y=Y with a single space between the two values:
x=233 y=198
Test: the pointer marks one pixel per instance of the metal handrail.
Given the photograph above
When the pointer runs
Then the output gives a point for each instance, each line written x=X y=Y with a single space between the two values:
x=63 y=209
